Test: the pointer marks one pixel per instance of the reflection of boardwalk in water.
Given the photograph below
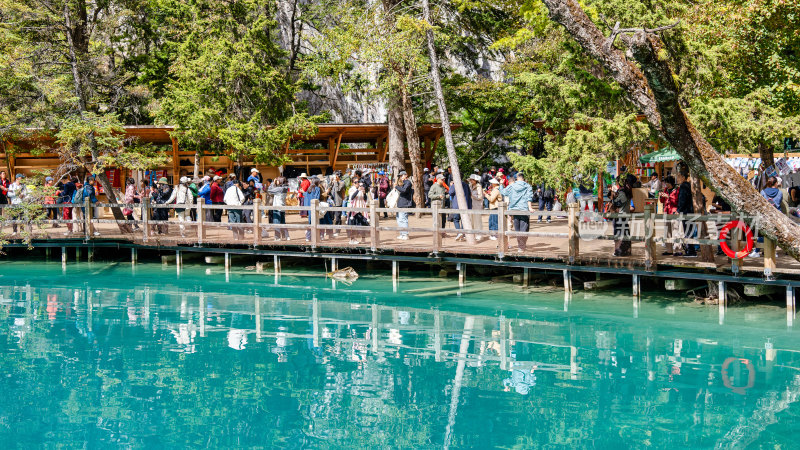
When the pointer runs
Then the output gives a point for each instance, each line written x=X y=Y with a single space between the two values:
x=383 y=349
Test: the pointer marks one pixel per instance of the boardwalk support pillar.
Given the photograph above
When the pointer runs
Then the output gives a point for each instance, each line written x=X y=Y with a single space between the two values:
x=334 y=265
x=462 y=269
x=567 y=281
x=90 y=254
x=395 y=274
x=256 y=221
x=723 y=300
x=769 y=257
x=790 y=306
x=63 y=256
x=134 y=255
x=374 y=236
x=276 y=263
x=526 y=277
x=313 y=216
x=201 y=231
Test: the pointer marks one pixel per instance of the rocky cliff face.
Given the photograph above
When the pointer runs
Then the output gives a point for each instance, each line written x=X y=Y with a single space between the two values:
x=354 y=108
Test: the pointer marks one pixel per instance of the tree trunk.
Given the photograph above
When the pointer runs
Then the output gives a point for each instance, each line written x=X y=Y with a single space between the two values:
x=767 y=154
x=699 y=205
x=397 y=136
x=653 y=91
x=461 y=196
x=412 y=139
x=111 y=197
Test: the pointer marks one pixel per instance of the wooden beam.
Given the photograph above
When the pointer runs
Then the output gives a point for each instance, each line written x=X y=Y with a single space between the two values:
x=176 y=164
x=336 y=150
x=435 y=145
x=382 y=145
x=428 y=151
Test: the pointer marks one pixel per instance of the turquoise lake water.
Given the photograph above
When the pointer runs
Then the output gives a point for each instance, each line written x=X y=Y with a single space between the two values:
x=105 y=356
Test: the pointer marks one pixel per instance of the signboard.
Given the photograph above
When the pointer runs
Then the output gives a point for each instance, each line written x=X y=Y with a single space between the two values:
x=782 y=166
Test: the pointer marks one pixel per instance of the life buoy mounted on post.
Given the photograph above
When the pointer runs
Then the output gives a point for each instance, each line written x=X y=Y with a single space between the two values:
x=723 y=235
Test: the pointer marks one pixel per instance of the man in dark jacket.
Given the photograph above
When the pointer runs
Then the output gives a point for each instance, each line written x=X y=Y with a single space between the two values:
x=686 y=206
x=427 y=182
x=546 y=196
x=456 y=218
x=405 y=200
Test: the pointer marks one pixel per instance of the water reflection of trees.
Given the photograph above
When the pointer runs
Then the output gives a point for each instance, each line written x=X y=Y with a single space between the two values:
x=156 y=367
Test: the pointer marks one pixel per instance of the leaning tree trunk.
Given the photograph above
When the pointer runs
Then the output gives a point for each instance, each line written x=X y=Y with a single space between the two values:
x=461 y=196
x=111 y=196
x=196 y=164
x=699 y=205
x=397 y=137
x=412 y=139
x=653 y=91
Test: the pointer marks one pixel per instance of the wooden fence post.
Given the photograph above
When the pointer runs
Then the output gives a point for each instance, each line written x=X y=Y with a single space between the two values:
x=145 y=218
x=374 y=222
x=201 y=218
x=87 y=216
x=437 y=226
x=769 y=257
x=314 y=218
x=650 y=258
x=574 y=235
x=256 y=221
x=501 y=229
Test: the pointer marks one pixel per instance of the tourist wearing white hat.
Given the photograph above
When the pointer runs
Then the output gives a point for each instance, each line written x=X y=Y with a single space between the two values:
x=477 y=203
x=181 y=195
x=494 y=198
x=255 y=176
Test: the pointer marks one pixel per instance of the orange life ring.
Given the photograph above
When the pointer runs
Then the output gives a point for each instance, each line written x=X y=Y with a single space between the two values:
x=723 y=235
x=751 y=376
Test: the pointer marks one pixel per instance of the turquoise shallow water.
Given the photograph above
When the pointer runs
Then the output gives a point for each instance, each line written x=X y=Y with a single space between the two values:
x=103 y=356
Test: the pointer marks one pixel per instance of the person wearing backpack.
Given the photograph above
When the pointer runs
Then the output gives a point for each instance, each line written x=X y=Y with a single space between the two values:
x=546 y=196
x=773 y=195
x=404 y=200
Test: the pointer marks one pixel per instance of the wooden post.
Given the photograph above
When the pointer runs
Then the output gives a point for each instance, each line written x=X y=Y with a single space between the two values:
x=64 y=256
x=178 y=259
x=395 y=274
x=650 y=258
x=201 y=232
x=256 y=221
x=769 y=257
x=567 y=281
x=313 y=216
x=77 y=254
x=374 y=221
x=87 y=216
x=276 y=263
x=790 y=306
x=636 y=286
x=134 y=256
x=145 y=218
x=574 y=235
x=462 y=268
x=334 y=265
x=501 y=230
x=90 y=254
x=737 y=264
x=526 y=277
x=723 y=301
x=437 y=226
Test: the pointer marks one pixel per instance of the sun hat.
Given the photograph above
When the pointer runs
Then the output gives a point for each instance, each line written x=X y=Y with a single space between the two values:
x=231 y=175
x=475 y=177
x=162 y=180
x=494 y=181
x=48 y=179
x=184 y=179
x=440 y=177
x=217 y=177
x=206 y=178
x=254 y=170
x=19 y=175
x=303 y=175
x=402 y=172
x=426 y=170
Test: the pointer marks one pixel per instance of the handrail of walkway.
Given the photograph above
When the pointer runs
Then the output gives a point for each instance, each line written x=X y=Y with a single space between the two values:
x=203 y=222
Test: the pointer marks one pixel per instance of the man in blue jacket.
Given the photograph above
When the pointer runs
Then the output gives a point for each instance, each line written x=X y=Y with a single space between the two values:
x=520 y=198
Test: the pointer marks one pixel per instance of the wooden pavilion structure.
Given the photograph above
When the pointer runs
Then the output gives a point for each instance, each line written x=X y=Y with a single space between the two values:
x=336 y=146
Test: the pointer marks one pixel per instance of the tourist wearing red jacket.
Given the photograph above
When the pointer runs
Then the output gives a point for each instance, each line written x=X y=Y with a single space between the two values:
x=217 y=197
x=669 y=197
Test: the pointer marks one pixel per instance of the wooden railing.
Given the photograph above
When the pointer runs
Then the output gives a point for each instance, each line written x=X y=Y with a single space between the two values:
x=580 y=228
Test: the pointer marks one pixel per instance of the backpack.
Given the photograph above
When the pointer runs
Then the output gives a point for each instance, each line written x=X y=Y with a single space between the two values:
x=78 y=196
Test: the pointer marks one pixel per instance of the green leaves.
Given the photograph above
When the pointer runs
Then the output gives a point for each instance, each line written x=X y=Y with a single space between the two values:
x=230 y=81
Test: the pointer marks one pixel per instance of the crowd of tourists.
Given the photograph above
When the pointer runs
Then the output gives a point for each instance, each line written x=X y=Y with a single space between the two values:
x=355 y=189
